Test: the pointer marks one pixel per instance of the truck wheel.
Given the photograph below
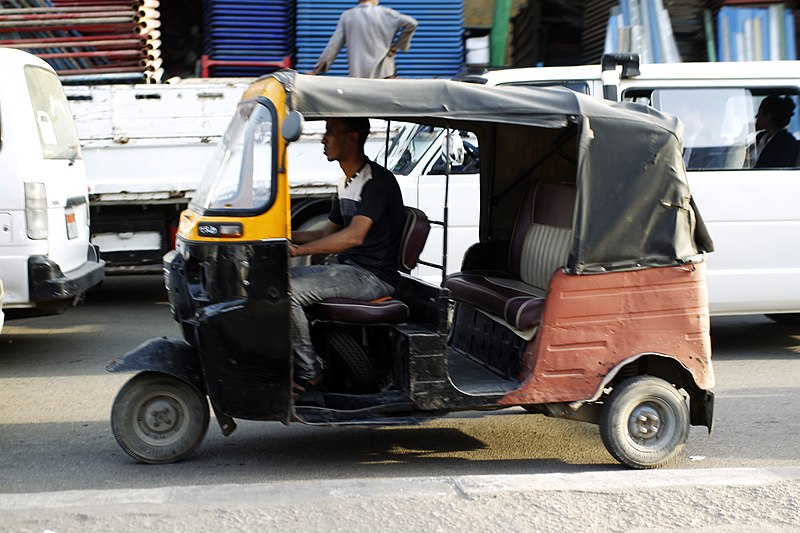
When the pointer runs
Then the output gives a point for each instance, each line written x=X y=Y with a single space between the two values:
x=645 y=422
x=313 y=223
x=359 y=372
x=785 y=319
x=157 y=418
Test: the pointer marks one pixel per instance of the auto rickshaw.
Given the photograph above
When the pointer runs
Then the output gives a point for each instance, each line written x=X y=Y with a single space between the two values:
x=585 y=298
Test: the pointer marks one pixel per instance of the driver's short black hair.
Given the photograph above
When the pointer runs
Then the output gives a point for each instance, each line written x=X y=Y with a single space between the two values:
x=360 y=125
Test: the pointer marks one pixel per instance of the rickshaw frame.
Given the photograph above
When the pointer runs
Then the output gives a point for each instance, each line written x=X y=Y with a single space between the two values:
x=626 y=315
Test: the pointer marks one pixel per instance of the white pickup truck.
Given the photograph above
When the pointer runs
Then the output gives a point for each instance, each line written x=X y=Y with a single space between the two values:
x=146 y=148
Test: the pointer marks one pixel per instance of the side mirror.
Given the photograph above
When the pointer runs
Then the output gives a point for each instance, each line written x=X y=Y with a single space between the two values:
x=292 y=126
x=455 y=147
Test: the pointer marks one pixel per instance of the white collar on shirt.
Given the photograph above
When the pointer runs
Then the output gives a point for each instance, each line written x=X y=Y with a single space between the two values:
x=359 y=173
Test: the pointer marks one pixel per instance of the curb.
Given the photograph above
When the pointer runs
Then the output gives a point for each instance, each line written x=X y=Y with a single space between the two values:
x=289 y=492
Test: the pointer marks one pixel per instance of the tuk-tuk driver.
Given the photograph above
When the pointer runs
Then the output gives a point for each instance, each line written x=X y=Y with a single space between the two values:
x=363 y=230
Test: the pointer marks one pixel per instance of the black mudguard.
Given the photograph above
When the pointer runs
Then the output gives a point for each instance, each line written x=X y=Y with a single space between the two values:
x=175 y=357
x=701 y=409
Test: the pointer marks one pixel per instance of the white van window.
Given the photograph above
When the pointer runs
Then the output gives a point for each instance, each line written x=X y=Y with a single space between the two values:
x=721 y=129
x=57 y=133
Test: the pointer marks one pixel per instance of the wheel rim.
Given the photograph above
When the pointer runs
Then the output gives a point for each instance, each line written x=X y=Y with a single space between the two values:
x=651 y=424
x=161 y=420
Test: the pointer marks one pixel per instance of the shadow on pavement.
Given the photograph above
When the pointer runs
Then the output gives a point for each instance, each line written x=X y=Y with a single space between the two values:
x=86 y=456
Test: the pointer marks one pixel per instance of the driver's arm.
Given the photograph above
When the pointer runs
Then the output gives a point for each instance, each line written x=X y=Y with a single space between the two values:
x=348 y=237
x=301 y=237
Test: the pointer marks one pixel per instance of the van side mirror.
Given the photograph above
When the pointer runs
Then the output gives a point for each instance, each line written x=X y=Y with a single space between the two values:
x=454 y=145
x=629 y=63
x=292 y=126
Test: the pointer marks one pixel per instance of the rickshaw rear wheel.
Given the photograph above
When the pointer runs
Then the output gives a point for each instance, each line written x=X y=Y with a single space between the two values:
x=359 y=370
x=157 y=418
x=645 y=422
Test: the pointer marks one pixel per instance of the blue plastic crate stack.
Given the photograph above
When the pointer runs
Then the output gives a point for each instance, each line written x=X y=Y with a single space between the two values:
x=248 y=30
x=756 y=33
x=436 y=49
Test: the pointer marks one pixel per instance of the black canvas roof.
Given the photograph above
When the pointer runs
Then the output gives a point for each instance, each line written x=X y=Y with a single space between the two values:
x=634 y=207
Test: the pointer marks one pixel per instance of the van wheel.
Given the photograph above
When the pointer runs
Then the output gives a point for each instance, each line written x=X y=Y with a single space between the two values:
x=157 y=418
x=360 y=375
x=313 y=223
x=645 y=422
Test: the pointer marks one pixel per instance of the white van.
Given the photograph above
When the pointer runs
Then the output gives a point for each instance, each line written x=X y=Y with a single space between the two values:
x=753 y=214
x=46 y=261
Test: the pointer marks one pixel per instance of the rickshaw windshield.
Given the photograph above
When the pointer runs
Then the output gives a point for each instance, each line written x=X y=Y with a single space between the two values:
x=241 y=173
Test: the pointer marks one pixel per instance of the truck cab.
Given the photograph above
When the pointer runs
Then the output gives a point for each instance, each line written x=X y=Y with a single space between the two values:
x=46 y=260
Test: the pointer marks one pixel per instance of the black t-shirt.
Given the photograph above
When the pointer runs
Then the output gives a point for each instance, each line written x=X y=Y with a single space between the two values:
x=374 y=193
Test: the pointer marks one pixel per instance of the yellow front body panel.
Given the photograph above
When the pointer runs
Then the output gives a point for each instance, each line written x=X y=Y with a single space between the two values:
x=274 y=223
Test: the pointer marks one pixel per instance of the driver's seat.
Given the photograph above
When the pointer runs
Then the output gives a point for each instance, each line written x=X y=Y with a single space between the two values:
x=384 y=310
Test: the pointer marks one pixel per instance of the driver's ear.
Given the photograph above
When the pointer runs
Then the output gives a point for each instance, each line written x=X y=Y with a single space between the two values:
x=353 y=136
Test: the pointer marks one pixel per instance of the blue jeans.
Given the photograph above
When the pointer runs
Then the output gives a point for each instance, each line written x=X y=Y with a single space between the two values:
x=311 y=284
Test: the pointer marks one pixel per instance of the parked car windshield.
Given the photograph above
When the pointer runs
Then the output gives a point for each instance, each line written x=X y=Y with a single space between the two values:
x=240 y=174
x=408 y=147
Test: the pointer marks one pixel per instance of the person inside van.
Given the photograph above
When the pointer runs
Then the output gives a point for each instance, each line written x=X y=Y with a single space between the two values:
x=775 y=146
x=363 y=230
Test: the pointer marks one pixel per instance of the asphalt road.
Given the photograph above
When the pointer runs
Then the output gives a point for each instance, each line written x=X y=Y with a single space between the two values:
x=55 y=399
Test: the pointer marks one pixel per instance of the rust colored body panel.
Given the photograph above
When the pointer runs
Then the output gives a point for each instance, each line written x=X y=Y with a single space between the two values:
x=592 y=323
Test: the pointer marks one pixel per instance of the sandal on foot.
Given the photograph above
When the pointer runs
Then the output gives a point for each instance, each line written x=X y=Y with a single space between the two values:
x=305 y=393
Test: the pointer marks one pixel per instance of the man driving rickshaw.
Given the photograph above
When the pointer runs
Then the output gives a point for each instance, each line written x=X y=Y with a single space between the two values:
x=585 y=297
x=364 y=229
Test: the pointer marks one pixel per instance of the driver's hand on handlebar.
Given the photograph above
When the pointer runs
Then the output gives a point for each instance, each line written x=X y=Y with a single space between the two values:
x=294 y=250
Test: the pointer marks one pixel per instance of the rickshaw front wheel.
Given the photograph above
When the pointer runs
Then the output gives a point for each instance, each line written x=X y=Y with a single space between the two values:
x=645 y=422
x=157 y=418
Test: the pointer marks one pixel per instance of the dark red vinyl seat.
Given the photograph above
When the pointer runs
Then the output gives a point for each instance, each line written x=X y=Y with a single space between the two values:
x=385 y=310
x=540 y=245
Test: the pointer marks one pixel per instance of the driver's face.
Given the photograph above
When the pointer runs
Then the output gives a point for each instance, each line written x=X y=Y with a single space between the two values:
x=336 y=140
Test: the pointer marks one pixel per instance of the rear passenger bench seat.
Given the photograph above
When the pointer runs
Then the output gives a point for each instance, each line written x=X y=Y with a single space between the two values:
x=539 y=246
